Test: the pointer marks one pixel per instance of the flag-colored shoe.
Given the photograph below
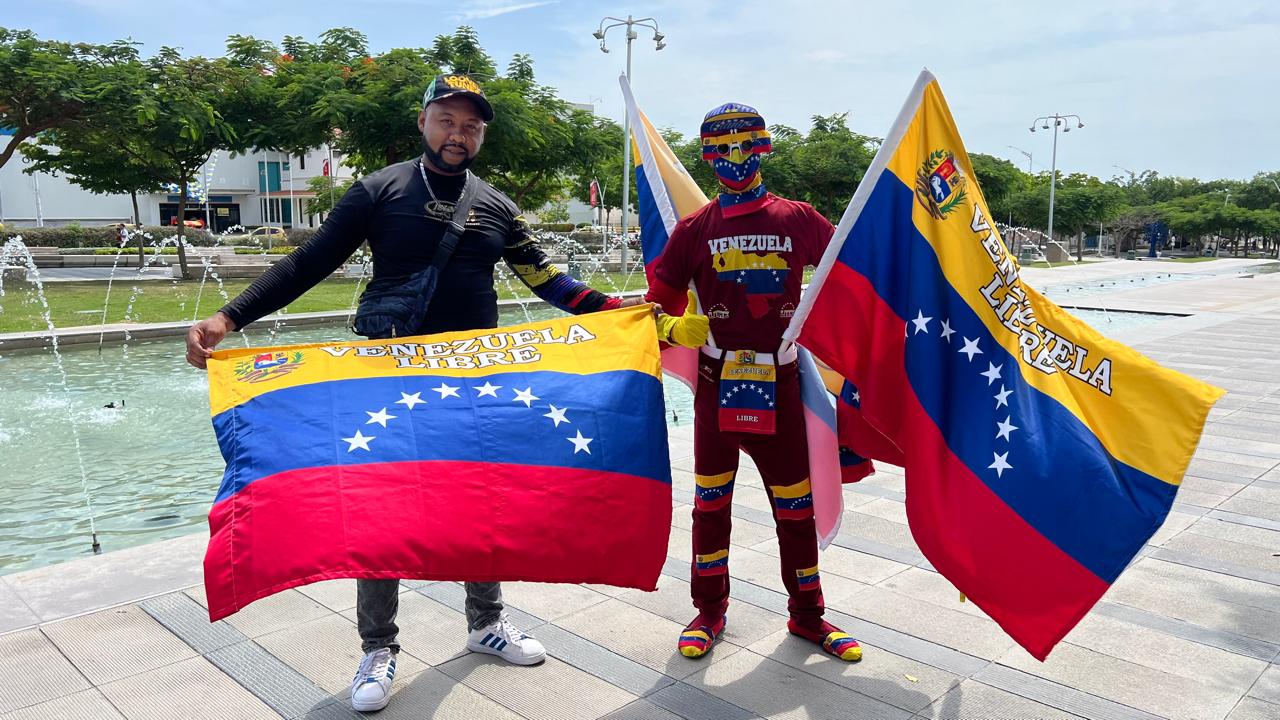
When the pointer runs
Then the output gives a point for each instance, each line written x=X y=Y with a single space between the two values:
x=697 y=639
x=831 y=639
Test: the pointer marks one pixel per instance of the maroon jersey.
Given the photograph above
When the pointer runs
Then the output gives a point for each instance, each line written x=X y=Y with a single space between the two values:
x=747 y=269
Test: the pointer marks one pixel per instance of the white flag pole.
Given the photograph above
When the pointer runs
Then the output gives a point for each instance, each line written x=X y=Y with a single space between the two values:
x=860 y=197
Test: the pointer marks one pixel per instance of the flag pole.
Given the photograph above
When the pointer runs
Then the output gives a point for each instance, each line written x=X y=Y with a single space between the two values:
x=860 y=197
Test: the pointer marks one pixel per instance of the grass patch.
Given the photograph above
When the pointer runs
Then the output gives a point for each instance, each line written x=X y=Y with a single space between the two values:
x=74 y=304
x=1196 y=259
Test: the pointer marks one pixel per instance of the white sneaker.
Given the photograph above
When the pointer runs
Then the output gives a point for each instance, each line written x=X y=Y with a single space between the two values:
x=371 y=687
x=503 y=639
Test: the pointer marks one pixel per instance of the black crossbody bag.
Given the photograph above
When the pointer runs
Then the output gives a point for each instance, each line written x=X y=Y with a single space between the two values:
x=397 y=307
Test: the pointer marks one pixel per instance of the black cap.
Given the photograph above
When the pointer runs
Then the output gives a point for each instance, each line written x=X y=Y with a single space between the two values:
x=450 y=85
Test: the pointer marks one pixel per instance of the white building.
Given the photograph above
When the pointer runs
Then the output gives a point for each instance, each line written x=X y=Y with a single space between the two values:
x=258 y=188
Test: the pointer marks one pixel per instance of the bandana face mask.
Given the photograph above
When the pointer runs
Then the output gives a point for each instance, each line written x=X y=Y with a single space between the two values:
x=733 y=139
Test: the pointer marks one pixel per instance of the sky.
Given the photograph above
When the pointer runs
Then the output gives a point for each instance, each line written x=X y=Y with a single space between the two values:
x=1183 y=88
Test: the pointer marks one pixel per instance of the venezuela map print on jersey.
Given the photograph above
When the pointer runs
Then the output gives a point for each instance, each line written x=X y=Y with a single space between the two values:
x=738 y=259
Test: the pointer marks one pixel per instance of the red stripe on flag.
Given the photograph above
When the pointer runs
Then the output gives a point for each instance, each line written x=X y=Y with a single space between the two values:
x=1034 y=590
x=439 y=520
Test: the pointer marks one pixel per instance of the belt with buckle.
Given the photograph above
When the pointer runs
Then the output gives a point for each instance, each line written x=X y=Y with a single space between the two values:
x=751 y=356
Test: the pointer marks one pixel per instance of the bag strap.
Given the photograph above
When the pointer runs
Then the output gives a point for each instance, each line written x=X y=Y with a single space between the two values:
x=457 y=223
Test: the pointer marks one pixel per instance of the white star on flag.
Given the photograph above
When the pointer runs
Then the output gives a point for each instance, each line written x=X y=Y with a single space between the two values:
x=359 y=441
x=921 y=322
x=381 y=417
x=857 y=396
x=447 y=390
x=489 y=389
x=1000 y=464
x=971 y=348
x=411 y=400
x=1002 y=397
x=1006 y=427
x=580 y=443
x=557 y=415
x=526 y=396
x=947 y=332
x=992 y=374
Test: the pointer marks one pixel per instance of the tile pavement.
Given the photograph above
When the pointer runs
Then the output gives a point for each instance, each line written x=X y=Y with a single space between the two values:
x=1191 y=630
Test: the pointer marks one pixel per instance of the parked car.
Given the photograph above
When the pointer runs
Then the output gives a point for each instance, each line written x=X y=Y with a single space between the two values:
x=197 y=223
x=267 y=236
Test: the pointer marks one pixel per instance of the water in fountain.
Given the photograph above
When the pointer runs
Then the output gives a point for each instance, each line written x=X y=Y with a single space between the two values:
x=207 y=262
x=155 y=464
x=15 y=248
x=365 y=260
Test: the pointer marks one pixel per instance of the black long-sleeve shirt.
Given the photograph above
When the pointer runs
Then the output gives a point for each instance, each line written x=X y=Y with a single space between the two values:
x=389 y=209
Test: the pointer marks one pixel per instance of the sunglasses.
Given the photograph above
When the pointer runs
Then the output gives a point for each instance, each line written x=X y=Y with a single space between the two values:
x=744 y=145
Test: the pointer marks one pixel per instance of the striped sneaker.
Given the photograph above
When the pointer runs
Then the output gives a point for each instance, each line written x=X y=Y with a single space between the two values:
x=371 y=687
x=697 y=639
x=833 y=641
x=501 y=638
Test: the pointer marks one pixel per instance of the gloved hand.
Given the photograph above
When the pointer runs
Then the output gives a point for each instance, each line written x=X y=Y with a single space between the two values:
x=689 y=330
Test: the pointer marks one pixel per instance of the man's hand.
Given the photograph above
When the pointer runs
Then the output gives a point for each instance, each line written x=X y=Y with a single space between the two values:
x=690 y=330
x=204 y=336
x=631 y=301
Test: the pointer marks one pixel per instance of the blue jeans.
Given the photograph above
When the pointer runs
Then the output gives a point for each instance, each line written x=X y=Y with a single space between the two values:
x=378 y=600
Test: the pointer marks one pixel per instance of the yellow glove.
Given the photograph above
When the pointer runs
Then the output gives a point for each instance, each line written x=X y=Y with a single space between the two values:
x=689 y=330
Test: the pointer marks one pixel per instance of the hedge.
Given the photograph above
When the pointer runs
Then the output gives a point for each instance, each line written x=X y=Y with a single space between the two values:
x=171 y=250
x=277 y=250
x=299 y=236
x=75 y=236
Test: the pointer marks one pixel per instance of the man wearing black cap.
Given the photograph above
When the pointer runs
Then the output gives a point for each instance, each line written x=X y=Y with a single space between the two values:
x=403 y=211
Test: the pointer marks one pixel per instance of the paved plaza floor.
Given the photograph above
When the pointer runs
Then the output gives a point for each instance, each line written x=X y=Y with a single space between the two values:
x=1191 y=630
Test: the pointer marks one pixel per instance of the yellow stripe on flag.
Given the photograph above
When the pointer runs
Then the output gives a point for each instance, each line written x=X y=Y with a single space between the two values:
x=1122 y=396
x=623 y=339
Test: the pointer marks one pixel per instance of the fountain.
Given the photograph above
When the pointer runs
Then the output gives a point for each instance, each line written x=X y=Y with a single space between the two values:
x=135 y=424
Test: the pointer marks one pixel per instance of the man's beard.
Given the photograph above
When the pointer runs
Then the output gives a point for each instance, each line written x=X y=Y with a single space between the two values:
x=443 y=165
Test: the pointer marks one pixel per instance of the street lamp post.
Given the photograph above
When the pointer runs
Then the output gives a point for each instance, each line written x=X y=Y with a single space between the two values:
x=1058 y=121
x=1025 y=154
x=1018 y=236
x=630 y=24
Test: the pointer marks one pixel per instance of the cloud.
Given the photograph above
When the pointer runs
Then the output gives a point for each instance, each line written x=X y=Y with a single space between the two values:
x=491 y=10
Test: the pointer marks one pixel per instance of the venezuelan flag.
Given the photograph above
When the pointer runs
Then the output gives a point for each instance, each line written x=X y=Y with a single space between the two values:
x=665 y=192
x=1040 y=456
x=808 y=578
x=793 y=502
x=714 y=491
x=533 y=452
x=716 y=563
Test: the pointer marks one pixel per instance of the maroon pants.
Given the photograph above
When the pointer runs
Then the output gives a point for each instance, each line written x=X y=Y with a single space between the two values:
x=783 y=461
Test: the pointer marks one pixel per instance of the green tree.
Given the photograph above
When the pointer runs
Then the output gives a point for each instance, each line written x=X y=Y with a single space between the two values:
x=47 y=84
x=328 y=191
x=293 y=101
x=93 y=151
x=1000 y=180
x=830 y=163
x=181 y=121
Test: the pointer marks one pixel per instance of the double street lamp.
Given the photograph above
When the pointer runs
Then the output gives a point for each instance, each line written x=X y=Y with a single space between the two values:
x=1059 y=121
x=658 y=38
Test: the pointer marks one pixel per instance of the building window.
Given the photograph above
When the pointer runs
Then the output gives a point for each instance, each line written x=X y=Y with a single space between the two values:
x=302 y=162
